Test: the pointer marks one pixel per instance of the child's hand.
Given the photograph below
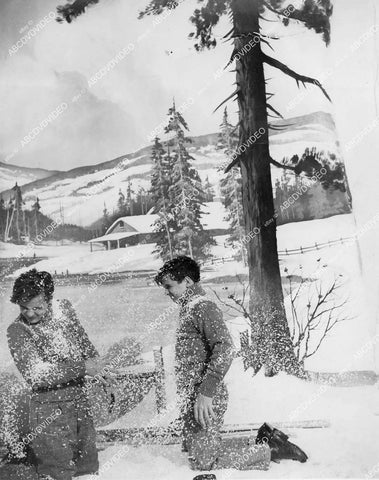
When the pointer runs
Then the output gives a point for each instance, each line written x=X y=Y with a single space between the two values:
x=203 y=410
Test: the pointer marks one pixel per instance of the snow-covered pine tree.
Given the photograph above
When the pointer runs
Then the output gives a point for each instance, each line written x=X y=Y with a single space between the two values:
x=160 y=183
x=231 y=188
x=185 y=193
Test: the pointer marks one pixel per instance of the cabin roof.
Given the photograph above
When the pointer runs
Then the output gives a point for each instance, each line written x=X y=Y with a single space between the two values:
x=212 y=218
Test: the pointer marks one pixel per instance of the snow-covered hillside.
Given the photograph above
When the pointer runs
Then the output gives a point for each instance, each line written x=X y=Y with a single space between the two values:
x=297 y=134
x=9 y=174
x=83 y=191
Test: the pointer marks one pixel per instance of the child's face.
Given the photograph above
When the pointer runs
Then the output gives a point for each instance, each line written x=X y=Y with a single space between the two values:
x=34 y=310
x=175 y=289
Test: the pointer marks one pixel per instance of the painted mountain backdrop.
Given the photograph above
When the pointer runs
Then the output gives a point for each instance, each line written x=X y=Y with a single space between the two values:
x=23 y=175
x=302 y=142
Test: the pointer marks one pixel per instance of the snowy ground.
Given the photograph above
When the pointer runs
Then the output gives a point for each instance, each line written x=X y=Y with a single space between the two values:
x=345 y=449
x=49 y=249
x=77 y=258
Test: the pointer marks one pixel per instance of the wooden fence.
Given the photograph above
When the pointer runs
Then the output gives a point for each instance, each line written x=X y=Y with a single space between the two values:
x=286 y=251
x=316 y=246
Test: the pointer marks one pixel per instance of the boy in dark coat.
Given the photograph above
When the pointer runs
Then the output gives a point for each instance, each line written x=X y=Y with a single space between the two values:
x=203 y=354
x=53 y=353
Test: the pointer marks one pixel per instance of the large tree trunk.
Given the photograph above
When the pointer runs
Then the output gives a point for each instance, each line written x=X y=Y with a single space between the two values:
x=272 y=346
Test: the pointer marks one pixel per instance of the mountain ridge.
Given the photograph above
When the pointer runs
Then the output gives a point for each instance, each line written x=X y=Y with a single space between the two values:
x=83 y=191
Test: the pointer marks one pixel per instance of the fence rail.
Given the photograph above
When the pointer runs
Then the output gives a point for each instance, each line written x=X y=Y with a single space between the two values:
x=286 y=251
x=316 y=246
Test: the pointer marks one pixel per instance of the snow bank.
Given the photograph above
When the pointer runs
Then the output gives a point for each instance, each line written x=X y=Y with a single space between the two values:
x=48 y=249
x=78 y=259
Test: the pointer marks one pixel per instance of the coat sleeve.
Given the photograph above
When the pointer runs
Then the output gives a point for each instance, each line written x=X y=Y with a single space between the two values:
x=87 y=348
x=36 y=371
x=217 y=337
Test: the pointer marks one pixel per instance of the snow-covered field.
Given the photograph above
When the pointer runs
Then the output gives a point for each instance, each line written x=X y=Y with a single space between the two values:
x=77 y=258
x=49 y=249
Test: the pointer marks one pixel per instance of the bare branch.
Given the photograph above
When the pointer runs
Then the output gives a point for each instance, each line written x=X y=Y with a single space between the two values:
x=267 y=43
x=328 y=310
x=291 y=73
x=227 y=99
x=230 y=33
x=240 y=309
x=315 y=318
x=265 y=19
x=270 y=107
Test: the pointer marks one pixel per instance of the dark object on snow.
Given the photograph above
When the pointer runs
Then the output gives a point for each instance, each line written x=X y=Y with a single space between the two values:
x=279 y=445
x=205 y=476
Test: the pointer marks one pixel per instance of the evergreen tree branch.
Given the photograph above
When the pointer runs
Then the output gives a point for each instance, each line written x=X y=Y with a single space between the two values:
x=71 y=11
x=156 y=7
x=272 y=9
x=313 y=14
x=291 y=73
x=281 y=165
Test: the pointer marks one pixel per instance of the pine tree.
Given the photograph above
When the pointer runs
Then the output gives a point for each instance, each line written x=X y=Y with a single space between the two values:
x=18 y=218
x=3 y=217
x=9 y=218
x=121 y=203
x=231 y=189
x=160 y=182
x=105 y=220
x=129 y=199
x=208 y=190
x=185 y=193
x=142 y=200
x=36 y=212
